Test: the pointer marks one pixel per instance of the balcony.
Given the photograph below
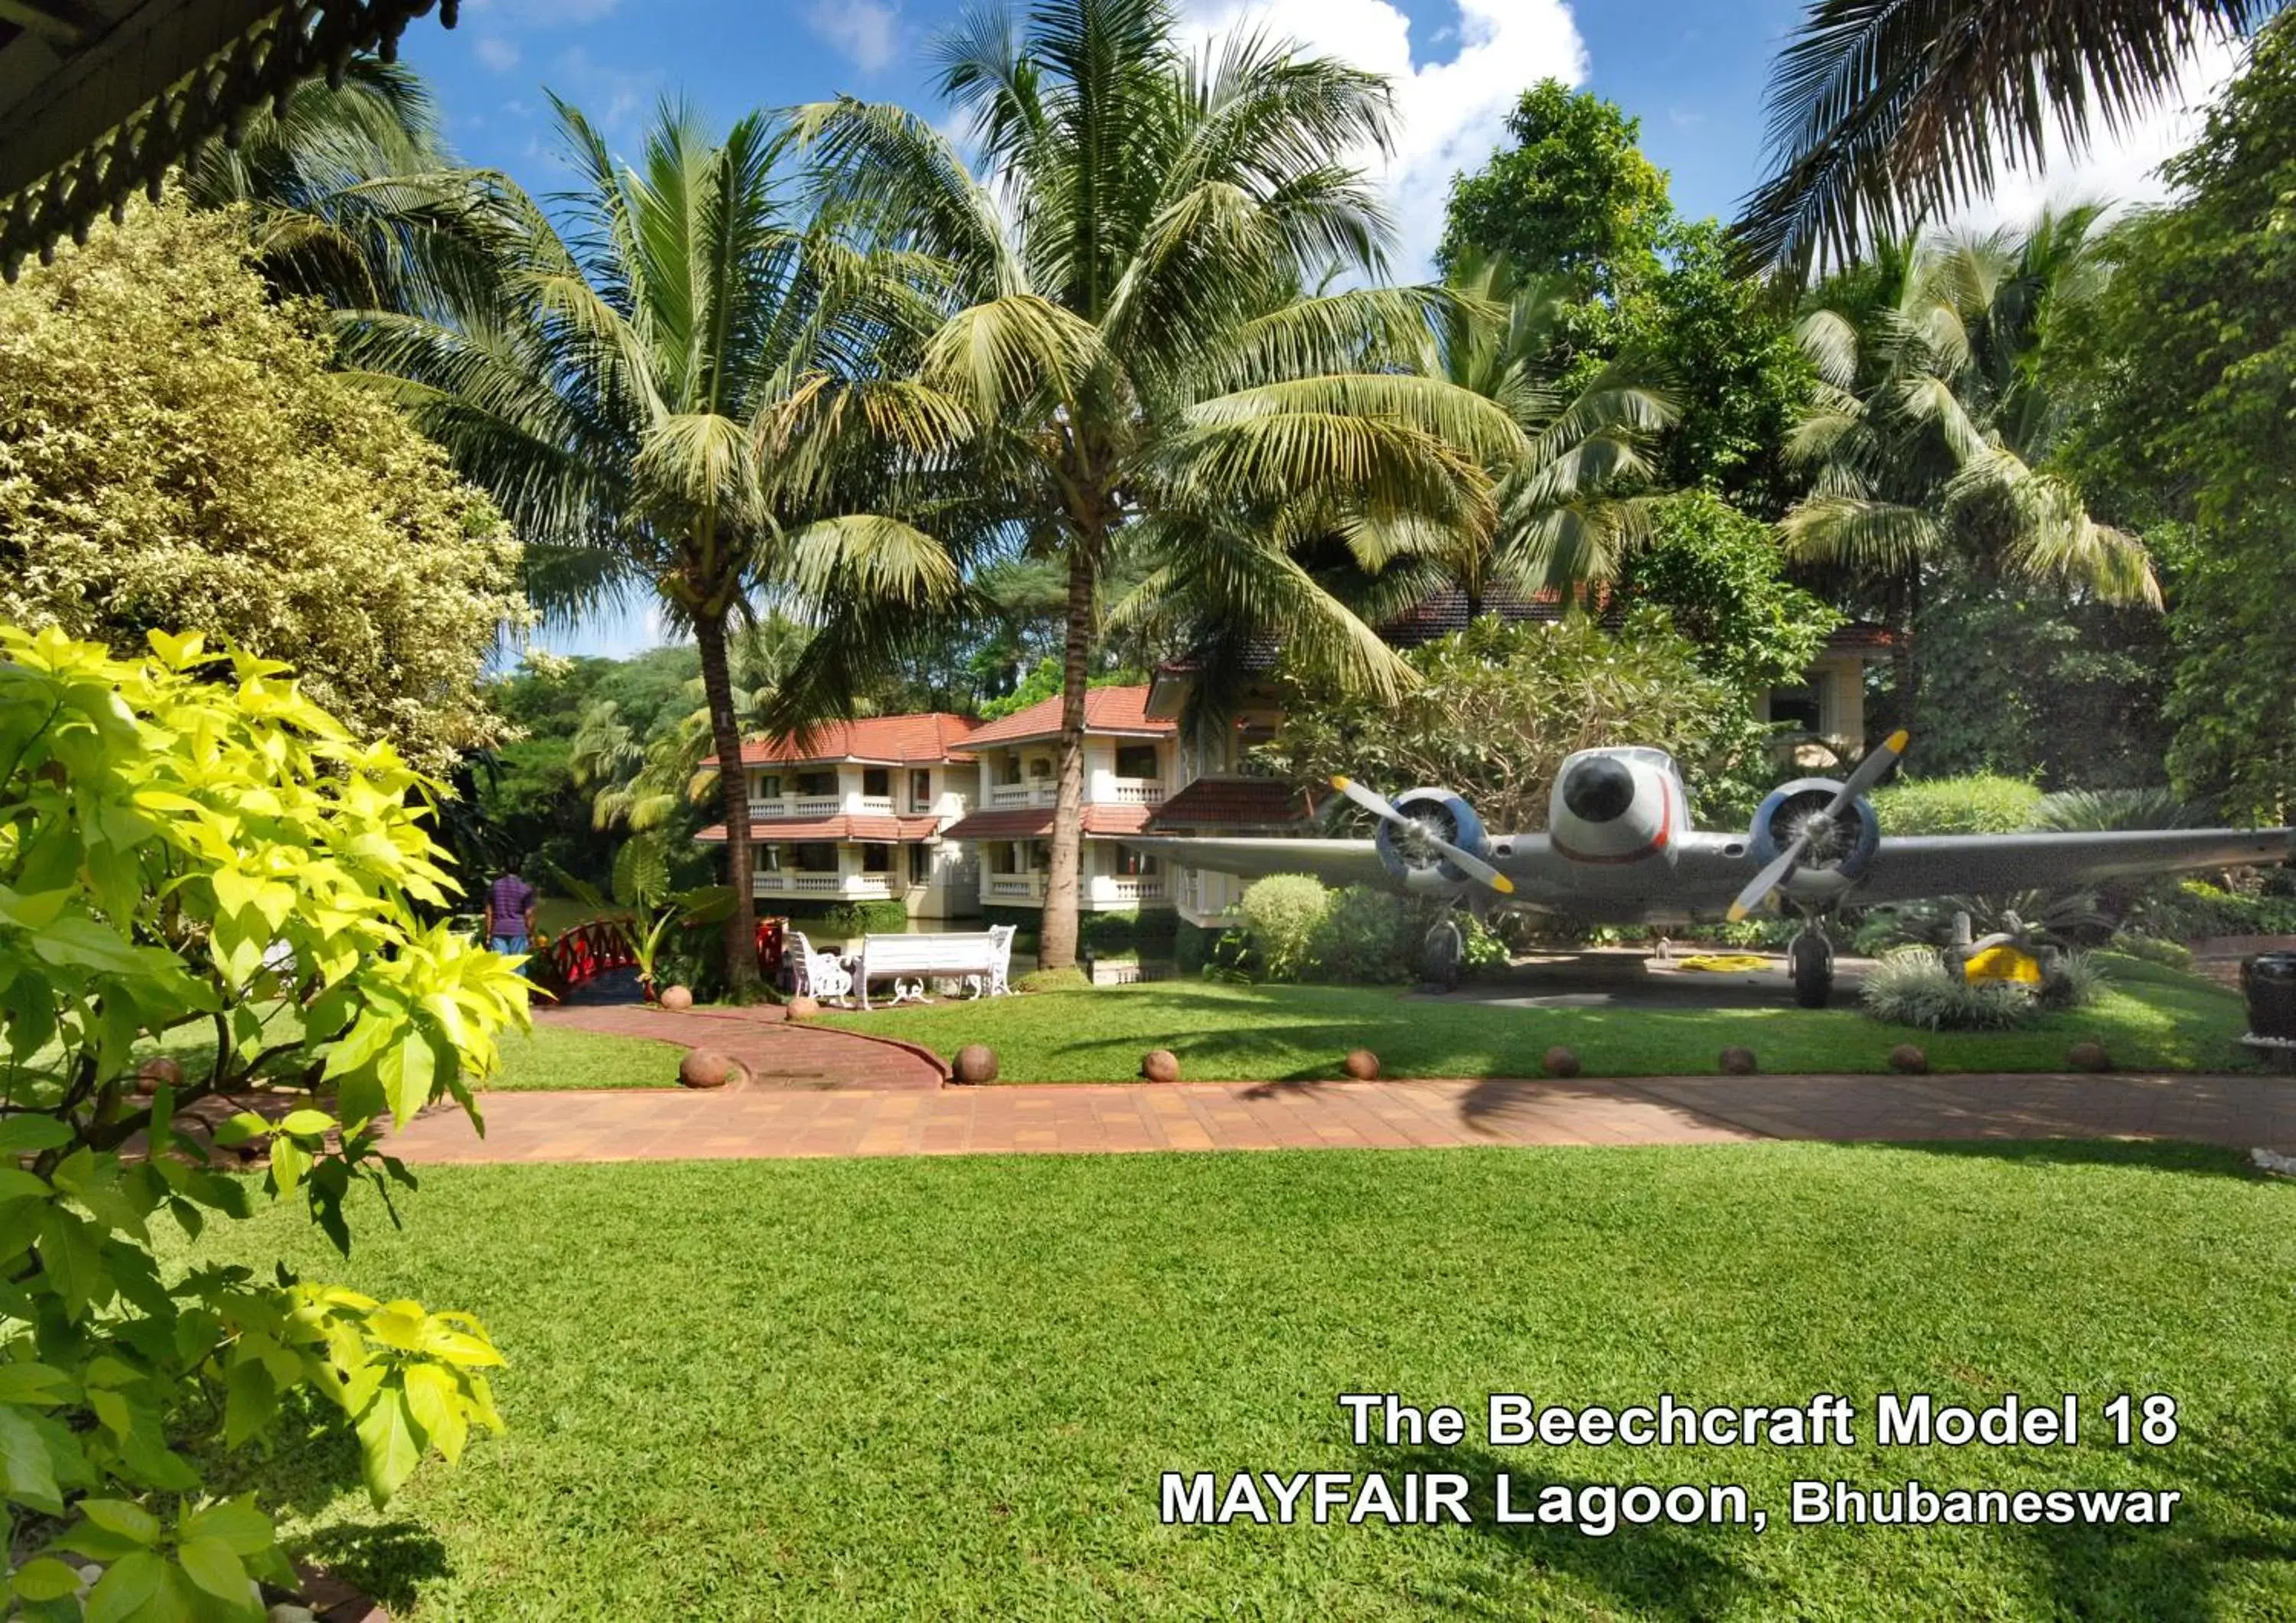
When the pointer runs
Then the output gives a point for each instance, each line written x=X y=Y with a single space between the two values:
x=1014 y=887
x=1134 y=791
x=1123 y=887
x=859 y=887
x=1042 y=792
x=1105 y=792
x=798 y=806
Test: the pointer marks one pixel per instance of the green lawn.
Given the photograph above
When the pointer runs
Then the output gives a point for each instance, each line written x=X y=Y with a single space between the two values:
x=908 y=1389
x=2151 y=1018
x=553 y=1056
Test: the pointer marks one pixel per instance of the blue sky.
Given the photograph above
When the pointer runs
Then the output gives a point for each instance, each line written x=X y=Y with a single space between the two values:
x=1692 y=71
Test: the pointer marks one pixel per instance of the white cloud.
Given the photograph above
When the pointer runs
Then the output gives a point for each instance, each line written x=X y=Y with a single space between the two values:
x=2118 y=169
x=866 y=31
x=495 y=52
x=1448 y=114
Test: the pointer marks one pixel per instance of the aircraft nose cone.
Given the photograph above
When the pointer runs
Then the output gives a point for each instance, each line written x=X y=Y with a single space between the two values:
x=1598 y=791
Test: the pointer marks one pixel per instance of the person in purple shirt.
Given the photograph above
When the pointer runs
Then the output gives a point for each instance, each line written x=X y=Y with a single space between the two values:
x=509 y=912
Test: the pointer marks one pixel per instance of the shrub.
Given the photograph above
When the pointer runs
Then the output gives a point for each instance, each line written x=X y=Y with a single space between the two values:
x=2070 y=980
x=2196 y=909
x=2170 y=954
x=2106 y=810
x=1912 y=986
x=1980 y=803
x=856 y=918
x=1280 y=916
x=1148 y=934
x=1070 y=979
x=1194 y=945
x=193 y=845
x=1367 y=937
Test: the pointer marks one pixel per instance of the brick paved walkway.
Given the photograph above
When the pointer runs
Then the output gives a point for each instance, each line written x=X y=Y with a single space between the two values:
x=779 y=1053
x=765 y=1122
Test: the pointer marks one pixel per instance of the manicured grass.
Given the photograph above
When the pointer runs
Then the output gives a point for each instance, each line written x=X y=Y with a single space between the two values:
x=554 y=1057
x=910 y=1389
x=2151 y=1019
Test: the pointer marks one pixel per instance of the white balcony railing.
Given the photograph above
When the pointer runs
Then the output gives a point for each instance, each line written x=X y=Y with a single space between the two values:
x=1126 y=888
x=1037 y=794
x=1135 y=791
x=866 y=887
x=1016 y=888
x=767 y=809
x=874 y=803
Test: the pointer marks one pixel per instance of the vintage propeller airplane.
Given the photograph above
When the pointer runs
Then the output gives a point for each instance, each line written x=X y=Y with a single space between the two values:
x=1619 y=849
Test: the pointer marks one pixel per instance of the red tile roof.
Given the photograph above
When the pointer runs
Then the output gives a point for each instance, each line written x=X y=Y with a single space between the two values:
x=931 y=735
x=876 y=828
x=1233 y=803
x=1859 y=636
x=1106 y=710
x=1037 y=824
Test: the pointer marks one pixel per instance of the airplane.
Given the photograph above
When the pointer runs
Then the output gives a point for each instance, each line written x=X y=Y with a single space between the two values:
x=1619 y=848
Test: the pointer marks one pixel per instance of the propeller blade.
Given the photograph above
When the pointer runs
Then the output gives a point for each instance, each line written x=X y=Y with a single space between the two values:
x=1467 y=862
x=1868 y=773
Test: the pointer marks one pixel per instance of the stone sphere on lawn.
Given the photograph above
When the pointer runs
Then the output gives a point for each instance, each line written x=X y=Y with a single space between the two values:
x=157 y=1072
x=2088 y=1056
x=1908 y=1060
x=706 y=1068
x=1361 y=1065
x=803 y=1008
x=1738 y=1062
x=1160 y=1065
x=677 y=999
x=1560 y=1062
x=975 y=1062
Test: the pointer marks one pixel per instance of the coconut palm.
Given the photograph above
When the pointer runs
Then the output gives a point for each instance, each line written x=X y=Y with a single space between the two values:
x=1883 y=114
x=673 y=395
x=1136 y=347
x=1931 y=425
x=1567 y=510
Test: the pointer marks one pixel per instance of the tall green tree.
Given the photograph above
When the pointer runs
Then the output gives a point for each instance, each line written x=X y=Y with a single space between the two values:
x=1929 y=438
x=1883 y=115
x=2192 y=362
x=672 y=395
x=1135 y=350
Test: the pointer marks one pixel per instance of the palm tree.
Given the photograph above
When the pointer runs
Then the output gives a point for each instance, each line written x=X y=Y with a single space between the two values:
x=673 y=395
x=1136 y=348
x=1931 y=425
x=1566 y=511
x=1885 y=114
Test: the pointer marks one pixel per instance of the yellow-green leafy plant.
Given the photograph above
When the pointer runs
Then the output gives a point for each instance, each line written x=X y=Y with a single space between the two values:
x=190 y=845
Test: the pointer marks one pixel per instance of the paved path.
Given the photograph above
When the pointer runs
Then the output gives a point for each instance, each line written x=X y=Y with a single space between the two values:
x=778 y=1052
x=2240 y=1111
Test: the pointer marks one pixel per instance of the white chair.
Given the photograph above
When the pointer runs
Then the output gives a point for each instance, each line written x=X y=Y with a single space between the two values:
x=821 y=976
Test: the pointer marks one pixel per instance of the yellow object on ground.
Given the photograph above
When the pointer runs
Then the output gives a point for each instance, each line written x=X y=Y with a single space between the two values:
x=2004 y=964
x=1723 y=963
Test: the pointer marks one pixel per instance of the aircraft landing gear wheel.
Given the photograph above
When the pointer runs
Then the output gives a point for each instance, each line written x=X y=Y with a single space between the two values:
x=1811 y=957
x=1446 y=948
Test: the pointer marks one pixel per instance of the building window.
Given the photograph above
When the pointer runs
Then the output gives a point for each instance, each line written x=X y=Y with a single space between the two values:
x=816 y=783
x=1040 y=856
x=1000 y=858
x=1136 y=761
x=877 y=781
x=1795 y=708
x=920 y=864
x=769 y=859
x=769 y=786
x=876 y=859
x=1009 y=770
x=814 y=858
x=1040 y=768
x=921 y=794
x=1132 y=864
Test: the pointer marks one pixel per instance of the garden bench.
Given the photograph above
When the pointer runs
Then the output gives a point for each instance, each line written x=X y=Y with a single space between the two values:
x=821 y=976
x=980 y=957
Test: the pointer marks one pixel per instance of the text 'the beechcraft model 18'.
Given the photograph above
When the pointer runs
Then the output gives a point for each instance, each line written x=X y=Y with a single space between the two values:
x=1619 y=849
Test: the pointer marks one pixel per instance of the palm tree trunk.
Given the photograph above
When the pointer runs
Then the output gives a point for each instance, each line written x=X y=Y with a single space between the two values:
x=1056 y=942
x=733 y=796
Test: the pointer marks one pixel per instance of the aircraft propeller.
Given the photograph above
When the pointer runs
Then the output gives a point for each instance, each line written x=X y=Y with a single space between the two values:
x=1868 y=773
x=1380 y=806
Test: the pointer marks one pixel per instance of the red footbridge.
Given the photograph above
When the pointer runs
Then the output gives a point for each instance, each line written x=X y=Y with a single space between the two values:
x=601 y=946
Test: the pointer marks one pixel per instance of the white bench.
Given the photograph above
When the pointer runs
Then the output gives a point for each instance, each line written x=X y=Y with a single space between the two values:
x=981 y=957
x=820 y=975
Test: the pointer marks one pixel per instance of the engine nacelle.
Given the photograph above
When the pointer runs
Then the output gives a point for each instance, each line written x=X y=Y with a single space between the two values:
x=1448 y=817
x=1842 y=850
x=1617 y=806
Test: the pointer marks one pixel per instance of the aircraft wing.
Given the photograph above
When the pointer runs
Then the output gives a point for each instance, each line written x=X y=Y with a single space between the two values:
x=1911 y=867
x=1335 y=863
